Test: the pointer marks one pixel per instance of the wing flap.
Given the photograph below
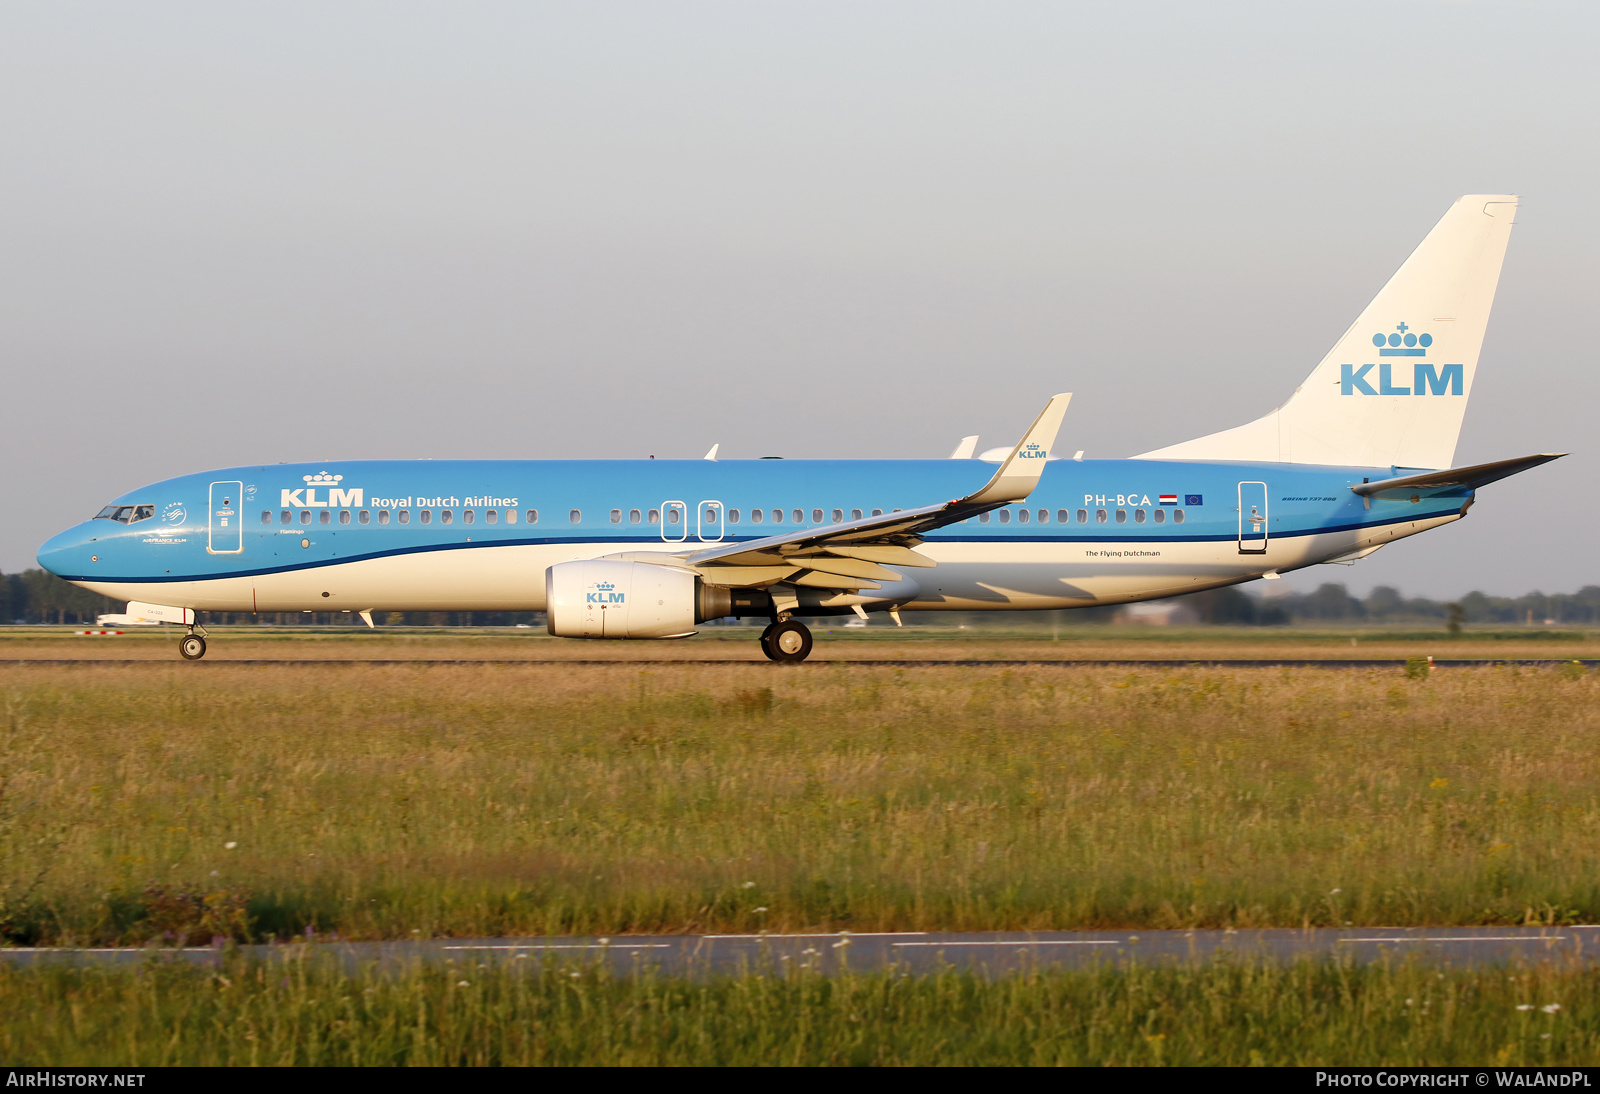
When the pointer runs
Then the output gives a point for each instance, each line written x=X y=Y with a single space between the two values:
x=744 y=577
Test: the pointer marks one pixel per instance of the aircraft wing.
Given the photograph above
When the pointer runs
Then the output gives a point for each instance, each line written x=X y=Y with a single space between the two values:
x=853 y=554
x=1471 y=477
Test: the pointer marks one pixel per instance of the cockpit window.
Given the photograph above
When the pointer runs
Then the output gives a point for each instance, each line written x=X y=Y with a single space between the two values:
x=126 y=514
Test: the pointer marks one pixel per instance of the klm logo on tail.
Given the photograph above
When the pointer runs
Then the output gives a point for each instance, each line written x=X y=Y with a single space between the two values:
x=1426 y=378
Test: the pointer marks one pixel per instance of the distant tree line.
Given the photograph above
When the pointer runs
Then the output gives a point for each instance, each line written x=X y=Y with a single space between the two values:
x=1385 y=604
x=36 y=596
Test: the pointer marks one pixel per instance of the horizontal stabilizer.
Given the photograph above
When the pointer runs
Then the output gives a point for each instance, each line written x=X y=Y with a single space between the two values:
x=1470 y=477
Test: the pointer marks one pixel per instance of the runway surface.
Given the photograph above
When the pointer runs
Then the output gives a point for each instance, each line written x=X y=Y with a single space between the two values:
x=913 y=952
x=1168 y=663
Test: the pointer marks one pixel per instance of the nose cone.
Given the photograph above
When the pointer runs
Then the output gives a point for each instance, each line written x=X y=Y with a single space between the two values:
x=69 y=554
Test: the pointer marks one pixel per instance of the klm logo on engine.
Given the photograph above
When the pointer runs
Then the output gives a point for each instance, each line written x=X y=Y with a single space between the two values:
x=1426 y=378
x=337 y=497
x=605 y=593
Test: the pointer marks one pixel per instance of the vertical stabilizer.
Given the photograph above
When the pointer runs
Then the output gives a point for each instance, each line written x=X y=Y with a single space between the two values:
x=1394 y=389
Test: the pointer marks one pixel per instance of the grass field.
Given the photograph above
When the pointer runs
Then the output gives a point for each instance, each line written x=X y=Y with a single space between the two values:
x=153 y=801
x=314 y=1013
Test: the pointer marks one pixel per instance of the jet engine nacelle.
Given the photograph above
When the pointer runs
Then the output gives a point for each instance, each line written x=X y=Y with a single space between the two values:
x=608 y=598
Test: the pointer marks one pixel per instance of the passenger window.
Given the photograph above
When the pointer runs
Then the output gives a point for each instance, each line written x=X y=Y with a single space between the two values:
x=492 y=516
x=816 y=516
x=655 y=516
x=1063 y=516
x=446 y=516
x=511 y=516
x=616 y=516
x=405 y=516
x=425 y=515
x=364 y=517
x=285 y=517
x=634 y=517
x=877 y=512
x=1100 y=516
x=467 y=517
x=757 y=516
x=1022 y=516
x=533 y=516
x=709 y=515
x=983 y=518
x=305 y=516
x=1177 y=516
x=673 y=516
x=383 y=516
x=1044 y=516
x=1005 y=516
x=1122 y=516
x=575 y=516
x=733 y=516
x=344 y=516
x=838 y=515
x=855 y=514
x=777 y=516
x=266 y=516
x=799 y=516
x=1138 y=516
x=325 y=517
x=1160 y=515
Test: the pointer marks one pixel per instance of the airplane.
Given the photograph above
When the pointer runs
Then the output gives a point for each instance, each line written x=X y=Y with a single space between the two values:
x=1358 y=457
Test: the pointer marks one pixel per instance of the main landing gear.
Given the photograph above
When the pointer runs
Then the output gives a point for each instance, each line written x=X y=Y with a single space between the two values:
x=192 y=645
x=789 y=641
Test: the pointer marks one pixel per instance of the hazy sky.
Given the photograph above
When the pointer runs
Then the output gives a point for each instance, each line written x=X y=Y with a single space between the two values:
x=241 y=232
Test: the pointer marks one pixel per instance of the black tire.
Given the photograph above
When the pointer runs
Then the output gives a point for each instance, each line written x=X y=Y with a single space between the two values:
x=192 y=647
x=766 y=648
x=790 y=642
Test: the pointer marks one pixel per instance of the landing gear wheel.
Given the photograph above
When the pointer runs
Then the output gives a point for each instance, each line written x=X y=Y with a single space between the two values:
x=766 y=642
x=789 y=641
x=192 y=646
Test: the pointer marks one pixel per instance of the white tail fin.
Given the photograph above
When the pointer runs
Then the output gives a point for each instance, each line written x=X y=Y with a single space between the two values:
x=1393 y=390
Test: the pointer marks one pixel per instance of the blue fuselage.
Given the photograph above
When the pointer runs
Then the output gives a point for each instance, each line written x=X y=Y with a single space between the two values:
x=239 y=536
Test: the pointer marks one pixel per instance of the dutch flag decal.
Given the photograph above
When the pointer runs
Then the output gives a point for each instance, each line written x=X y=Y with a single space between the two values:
x=1169 y=499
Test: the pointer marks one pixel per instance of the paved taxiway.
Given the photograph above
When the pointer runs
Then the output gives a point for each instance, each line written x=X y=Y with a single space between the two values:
x=916 y=952
x=1168 y=663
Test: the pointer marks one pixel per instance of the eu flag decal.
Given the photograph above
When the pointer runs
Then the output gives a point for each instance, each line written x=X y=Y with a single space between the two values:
x=1193 y=499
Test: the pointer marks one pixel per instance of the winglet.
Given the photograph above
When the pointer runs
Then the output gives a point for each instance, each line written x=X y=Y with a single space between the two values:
x=1020 y=471
x=712 y=455
x=965 y=449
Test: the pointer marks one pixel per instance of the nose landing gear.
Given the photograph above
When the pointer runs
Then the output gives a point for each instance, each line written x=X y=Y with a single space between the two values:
x=192 y=646
x=788 y=641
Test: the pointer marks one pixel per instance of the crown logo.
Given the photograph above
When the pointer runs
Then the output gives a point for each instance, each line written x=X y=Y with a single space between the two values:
x=322 y=478
x=605 y=586
x=1402 y=343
